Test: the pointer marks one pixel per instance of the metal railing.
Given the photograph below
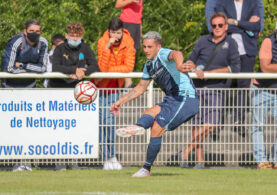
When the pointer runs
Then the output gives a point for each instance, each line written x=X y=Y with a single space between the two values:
x=225 y=146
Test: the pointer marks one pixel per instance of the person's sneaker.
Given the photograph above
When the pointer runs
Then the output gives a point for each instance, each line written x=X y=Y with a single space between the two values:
x=199 y=166
x=116 y=164
x=108 y=165
x=142 y=173
x=183 y=163
x=60 y=167
x=130 y=131
x=264 y=165
x=21 y=168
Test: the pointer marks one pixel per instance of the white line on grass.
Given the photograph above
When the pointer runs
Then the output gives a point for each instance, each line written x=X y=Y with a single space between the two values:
x=79 y=193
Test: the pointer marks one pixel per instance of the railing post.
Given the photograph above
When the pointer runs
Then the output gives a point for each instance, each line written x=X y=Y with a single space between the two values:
x=150 y=103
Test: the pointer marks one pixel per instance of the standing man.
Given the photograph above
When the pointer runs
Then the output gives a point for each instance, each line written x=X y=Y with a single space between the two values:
x=244 y=26
x=25 y=52
x=73 y=57
x=213 y=53
x=166 y=68
x=263 y=100
x=116 y=53
x=131 y=17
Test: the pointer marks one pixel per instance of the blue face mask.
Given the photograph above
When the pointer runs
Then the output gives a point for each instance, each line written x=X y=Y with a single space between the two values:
x=74 y=43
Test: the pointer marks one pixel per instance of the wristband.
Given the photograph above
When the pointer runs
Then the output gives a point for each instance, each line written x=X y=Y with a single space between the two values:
x=200 y=67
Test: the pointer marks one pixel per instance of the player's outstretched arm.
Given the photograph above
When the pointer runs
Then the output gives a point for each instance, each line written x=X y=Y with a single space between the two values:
x=134 y=93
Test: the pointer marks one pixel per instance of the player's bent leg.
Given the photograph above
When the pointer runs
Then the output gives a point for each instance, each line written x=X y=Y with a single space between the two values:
x=153 y=111
x=153 y=149
x=145 y=121
x=130 y=131
x=157 y=130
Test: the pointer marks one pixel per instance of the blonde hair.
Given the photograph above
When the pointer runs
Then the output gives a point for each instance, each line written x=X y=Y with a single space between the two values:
x=153 y=35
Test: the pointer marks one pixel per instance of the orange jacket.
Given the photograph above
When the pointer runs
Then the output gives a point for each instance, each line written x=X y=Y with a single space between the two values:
x=124 y=61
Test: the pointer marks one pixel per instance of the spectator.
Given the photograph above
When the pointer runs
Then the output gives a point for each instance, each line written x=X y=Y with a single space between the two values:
x=56 y=40
x=244 y=26
x=210 y=10
x=131 y=16
x=166 y=68
x=25 y=52
x=116 y=53
x=73 y=57
x=214 y=53
x=264 y=99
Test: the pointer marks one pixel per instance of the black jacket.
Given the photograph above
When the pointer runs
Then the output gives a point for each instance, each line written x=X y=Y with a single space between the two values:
x=66 y=60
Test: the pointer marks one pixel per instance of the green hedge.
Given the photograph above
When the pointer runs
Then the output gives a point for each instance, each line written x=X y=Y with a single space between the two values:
x=180 y=22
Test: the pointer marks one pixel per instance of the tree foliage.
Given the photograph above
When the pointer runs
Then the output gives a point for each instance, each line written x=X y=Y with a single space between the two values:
x=180 y=22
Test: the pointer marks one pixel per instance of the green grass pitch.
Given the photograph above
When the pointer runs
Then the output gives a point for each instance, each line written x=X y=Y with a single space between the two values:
x=162 y=181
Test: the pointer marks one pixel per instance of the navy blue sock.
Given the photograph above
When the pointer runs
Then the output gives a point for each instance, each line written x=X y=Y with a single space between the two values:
x=146 y=121
x=152 y=151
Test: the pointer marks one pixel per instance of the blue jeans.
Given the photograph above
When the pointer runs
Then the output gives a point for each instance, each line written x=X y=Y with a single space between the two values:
x=106 y=124
x=262 y=101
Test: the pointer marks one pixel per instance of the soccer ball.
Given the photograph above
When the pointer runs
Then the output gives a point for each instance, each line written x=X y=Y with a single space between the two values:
x=85 y=92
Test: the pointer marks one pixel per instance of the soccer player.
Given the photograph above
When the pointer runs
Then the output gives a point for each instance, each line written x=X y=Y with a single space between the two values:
x=166 y=68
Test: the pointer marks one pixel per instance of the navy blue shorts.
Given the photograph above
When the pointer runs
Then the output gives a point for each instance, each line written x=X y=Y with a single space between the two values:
x=176 y=110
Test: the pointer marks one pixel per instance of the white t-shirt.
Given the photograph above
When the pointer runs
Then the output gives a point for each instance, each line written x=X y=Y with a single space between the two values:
x=236 y=36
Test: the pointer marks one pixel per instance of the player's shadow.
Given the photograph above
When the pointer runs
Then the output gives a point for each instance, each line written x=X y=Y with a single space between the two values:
x=165 y=174
x=158 y=174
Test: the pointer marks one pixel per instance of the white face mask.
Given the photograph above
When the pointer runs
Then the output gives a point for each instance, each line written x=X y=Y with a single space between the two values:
x=74 y=43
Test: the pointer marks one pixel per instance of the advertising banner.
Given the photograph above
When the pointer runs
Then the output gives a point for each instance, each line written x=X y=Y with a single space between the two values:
x=47 y=123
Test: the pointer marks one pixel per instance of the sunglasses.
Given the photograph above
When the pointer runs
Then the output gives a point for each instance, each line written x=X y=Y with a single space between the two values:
x=219 y=25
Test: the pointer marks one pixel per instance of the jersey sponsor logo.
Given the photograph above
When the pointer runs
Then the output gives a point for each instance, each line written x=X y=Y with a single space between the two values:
x=157 y=74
